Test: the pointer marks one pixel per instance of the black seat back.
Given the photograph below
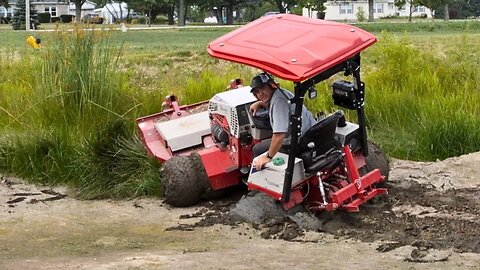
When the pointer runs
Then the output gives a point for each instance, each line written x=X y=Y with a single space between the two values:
x=319 y=140
x=323 y=132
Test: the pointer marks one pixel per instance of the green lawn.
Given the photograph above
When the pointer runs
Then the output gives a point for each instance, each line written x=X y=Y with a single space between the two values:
x=135 y=39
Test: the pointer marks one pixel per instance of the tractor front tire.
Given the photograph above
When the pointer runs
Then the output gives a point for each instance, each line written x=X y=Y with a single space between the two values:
x=376 y=160
x=180 y=181
x=208 y=193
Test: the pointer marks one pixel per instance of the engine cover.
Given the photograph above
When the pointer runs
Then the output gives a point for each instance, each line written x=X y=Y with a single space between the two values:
x=231 y=104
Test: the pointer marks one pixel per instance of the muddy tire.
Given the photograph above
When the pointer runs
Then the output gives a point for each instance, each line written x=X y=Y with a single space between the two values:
x=181 y=184
x=208 y=193
x=376 y=160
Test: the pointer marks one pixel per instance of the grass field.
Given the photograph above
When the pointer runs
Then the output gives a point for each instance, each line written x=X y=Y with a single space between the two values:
x=67 y=110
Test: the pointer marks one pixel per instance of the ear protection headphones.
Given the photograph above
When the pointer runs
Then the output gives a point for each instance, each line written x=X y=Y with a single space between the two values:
x=267 y=79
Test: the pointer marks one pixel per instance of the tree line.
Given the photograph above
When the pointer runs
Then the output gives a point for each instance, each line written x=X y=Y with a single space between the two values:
x=240 y=11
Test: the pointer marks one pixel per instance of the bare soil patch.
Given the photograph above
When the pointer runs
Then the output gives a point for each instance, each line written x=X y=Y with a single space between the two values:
x=429 y=220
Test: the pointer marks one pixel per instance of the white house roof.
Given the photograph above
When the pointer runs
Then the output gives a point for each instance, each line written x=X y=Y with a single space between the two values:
x=88 y=5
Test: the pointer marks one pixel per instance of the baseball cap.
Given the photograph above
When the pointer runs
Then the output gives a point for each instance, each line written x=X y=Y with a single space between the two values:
x=259 y=80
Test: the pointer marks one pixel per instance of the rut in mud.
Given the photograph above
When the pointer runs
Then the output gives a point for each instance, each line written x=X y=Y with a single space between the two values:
x=412 y=214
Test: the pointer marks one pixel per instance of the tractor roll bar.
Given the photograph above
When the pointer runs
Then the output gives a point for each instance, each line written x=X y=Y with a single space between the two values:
x=350 y=67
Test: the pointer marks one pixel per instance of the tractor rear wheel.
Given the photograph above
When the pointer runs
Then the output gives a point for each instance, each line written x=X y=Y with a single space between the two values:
x=376 y=160
x=181 y=184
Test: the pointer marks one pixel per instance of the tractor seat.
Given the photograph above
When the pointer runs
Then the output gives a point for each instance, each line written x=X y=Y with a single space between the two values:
x=319 y=147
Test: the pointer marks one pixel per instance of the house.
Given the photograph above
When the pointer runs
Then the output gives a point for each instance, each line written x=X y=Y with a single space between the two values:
x=6 y=12
x=339 y=10
x=54 y=7
x=87 y=8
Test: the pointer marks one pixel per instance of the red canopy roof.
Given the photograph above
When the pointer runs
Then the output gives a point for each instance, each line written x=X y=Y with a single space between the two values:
x=291 y=47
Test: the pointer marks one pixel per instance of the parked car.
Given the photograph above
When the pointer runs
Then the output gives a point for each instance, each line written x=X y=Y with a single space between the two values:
x=135 y=15
x=92 y=18
x=210 y=20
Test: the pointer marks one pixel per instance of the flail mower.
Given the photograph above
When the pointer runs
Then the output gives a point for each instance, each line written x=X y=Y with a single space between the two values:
x=207 y=147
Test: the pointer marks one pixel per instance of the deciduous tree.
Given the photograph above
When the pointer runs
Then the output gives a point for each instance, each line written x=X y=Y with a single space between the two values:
x=371 y=17
x=149 y=7
x=4 y=3
x=285 y=5
x=218 y=8
x=474 y=6
x=78 y=9
x=314 y=5
x=412 y=6
x=433 y=4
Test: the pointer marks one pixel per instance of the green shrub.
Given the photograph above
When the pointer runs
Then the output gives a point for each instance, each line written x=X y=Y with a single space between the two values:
x=5 y=20
x=421 y=26
x=361 y=14
x=44 y=17
x=66 y=18
x=161 y=19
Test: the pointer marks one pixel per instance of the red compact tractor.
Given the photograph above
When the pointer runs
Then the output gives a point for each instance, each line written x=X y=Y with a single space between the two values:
x=207 y=147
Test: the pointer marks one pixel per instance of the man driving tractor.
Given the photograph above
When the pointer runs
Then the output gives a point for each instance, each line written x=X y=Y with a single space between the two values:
x=277 y=101
x=328 y=165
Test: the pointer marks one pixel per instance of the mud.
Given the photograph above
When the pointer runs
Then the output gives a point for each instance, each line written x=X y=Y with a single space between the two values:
x=415 y=213
x=411 y=214
x=429 y=220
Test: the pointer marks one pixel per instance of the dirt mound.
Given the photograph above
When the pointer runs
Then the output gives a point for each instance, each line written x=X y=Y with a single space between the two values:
x=414 y=215
x=452 y=173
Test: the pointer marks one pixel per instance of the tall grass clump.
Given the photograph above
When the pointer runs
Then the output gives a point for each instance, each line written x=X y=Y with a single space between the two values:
x=17 y=80
x=114 y=164
x=79 y=82
x=423 y=105
x=76 y=126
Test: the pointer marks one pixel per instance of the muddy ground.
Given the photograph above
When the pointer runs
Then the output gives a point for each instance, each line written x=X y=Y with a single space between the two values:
x=429 y=220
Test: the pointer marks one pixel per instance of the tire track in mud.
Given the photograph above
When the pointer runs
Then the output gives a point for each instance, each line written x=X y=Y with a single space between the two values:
x=411 y=215
x=16 y=192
